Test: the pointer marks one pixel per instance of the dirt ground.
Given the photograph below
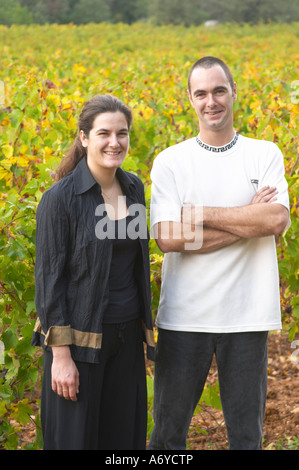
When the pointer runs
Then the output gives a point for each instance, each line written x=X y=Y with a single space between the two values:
x=281 y=424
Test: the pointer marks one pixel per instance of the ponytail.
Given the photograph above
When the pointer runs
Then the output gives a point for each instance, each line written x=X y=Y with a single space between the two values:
x=71 y=159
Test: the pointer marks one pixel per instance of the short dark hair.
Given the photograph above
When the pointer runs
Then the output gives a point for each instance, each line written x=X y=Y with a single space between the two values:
x=208 y=62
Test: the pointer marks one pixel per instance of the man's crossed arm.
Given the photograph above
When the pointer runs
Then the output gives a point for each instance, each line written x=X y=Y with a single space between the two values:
x=218 y=227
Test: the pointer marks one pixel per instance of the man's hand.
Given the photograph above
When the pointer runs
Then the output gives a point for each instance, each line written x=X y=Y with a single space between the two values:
x=258 y=219
x=65 y=375
x=266 y=194
x=223 y=226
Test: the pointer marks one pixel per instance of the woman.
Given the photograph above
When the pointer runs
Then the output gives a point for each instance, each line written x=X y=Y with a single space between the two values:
x=93 y=290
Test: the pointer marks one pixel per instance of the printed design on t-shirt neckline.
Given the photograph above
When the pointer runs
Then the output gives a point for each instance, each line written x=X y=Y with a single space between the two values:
x=218 y=149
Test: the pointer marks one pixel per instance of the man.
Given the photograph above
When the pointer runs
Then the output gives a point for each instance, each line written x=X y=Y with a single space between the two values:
x=218 y=200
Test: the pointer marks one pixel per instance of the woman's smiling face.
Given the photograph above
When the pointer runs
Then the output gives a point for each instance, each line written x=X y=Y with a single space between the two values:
x=108 y=141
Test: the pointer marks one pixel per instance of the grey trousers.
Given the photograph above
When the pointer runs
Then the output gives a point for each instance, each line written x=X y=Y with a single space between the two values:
x=183 y=361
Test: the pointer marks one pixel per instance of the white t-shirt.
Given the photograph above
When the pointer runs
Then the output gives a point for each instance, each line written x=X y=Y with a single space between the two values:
x=235 y=288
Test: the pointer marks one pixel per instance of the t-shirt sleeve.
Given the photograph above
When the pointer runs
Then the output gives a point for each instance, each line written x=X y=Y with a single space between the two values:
x=273 y=174
x=165 y=202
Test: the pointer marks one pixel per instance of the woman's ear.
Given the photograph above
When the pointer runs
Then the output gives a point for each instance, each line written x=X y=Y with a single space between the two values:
x=84 y=139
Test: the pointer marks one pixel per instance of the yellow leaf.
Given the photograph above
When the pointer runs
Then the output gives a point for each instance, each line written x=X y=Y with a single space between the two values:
x=23 y=161
x=23 y=148
x=53 y=99
x=8 y=162
x=7 y=150
x=79 y=68
x=48 y=152
x=72 y=122
x=7 y=175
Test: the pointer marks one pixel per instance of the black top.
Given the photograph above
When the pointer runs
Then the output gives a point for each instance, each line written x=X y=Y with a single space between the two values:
x=124 y=303
x=73 y=262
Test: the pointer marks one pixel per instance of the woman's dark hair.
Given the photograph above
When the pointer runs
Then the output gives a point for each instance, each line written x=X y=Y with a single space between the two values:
x=93 y=107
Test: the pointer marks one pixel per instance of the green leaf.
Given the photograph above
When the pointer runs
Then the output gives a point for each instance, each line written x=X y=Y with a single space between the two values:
x=3 y=409
x=21 y=412
x=211 y=396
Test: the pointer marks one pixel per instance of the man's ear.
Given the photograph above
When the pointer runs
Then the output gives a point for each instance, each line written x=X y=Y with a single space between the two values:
x=235 y=92
x=190 y=97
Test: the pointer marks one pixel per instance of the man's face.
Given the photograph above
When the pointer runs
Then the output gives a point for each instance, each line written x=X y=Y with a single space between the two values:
x=212 y=97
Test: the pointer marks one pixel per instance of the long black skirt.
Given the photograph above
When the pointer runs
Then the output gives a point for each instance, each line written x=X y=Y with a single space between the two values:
x=111 y=409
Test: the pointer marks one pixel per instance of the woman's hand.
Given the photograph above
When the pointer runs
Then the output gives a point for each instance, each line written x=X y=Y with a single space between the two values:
x=65 y=375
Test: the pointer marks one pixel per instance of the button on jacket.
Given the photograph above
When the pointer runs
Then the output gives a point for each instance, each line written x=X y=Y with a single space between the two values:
x=72 y=264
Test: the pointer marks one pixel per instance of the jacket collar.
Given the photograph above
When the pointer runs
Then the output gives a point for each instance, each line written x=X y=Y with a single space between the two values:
x=83 y=179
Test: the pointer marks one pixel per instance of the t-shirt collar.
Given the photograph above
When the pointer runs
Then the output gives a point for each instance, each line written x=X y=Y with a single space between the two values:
x=224 y=148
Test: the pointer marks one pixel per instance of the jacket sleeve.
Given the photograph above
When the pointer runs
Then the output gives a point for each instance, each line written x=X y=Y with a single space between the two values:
x=52 y=244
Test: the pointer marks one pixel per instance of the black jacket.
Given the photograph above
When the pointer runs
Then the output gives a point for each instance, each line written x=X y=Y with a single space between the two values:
x=72 y=264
